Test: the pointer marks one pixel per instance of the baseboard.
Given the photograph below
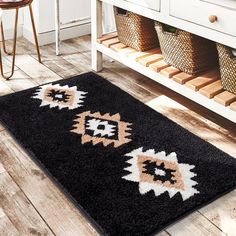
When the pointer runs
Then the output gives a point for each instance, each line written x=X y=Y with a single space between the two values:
x=66 y=33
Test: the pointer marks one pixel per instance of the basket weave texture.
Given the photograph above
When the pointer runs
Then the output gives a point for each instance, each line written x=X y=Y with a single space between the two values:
x=135 y=31
x=227 y=68
x=187 y=52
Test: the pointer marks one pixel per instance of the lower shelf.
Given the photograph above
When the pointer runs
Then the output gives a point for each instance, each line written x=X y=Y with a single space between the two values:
x=205 y=90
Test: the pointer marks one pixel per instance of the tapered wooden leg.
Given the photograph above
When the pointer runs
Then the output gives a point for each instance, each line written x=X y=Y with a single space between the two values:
x=96 y=9
x=35 y=34
x=13 y=51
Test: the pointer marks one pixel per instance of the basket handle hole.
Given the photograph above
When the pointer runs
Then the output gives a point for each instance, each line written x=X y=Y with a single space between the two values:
x=121 y=11
x=233 y=51
x=169 y=29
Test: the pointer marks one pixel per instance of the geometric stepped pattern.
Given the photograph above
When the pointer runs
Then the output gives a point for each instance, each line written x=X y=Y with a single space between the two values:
x=105 y=129
x=95 y=154
x=161 y=173
x=60 y=96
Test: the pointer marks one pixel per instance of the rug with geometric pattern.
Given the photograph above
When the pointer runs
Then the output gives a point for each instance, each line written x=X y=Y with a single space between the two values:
x=129 y=169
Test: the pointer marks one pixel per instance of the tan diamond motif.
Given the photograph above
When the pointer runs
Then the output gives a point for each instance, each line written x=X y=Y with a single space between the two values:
x=106 y=129
x=55 y=95
x=160 y=173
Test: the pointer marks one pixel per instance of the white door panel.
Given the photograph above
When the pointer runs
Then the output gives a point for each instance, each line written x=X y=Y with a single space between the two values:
x=72 y=12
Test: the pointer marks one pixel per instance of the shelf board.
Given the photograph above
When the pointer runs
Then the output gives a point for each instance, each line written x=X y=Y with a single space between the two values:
x=170 y=71
x=107 y=36
x=205 y=90
x=212 y=89
x=225 y=98
x=182 y=78
x=233 y=106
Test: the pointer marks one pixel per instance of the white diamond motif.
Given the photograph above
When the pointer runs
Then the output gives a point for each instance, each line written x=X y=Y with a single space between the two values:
x=108 y=130
x=160 y=173
x=60 y=96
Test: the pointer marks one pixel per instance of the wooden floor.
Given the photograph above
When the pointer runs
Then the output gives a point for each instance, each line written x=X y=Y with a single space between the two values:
x=29 y=202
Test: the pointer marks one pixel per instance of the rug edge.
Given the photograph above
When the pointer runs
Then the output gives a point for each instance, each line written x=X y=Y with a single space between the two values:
x=98 y=227
x=33 y=157
x=58 y=185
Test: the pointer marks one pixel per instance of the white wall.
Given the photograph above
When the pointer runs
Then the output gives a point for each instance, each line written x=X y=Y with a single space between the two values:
x=108 y=18
x=76 y=16
x=9 y=21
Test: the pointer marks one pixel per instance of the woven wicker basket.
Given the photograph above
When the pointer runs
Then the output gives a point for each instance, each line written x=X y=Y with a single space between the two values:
x=135 y=31
x=185 y=51
x=227 y=68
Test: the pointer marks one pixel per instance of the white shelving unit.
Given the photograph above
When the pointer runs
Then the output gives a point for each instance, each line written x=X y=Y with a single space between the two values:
x=163 y=16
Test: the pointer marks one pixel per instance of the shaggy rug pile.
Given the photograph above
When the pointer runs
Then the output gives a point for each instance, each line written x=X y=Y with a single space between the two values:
x=131 y=170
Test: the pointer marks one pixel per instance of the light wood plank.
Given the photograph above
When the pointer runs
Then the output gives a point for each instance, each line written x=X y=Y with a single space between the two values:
x=2 y=169
x=222 y=213
x=59 y=213
x=6 y=226
x=84 y=41
x=117 y=47
x=15 y=204
x=147 y=61
x=81 y=63
x=7 y=66
x=110 y=42
x=158 y=66
x=107 y=37
x=233 y=106
x=20 y=81
x=38 y=72
x=4 y=88
x=127 y=85
x=48 y=53
x=212 y=90
x=126 y=51
x=58 y=64
x=62 y=68
x=195 y=224
x=140 y=55
x=203 y=80
x=182 y=78
x=169 y=72
x=225 y=98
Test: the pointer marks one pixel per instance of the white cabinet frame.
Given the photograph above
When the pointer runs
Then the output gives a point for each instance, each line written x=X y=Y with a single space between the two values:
x=162 y=16
x=58 y=26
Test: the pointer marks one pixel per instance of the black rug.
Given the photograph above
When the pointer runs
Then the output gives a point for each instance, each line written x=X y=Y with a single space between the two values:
x=130 y=169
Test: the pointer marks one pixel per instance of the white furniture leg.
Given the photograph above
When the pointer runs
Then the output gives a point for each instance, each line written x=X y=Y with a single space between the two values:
x=96 y=12
x=57 y=25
